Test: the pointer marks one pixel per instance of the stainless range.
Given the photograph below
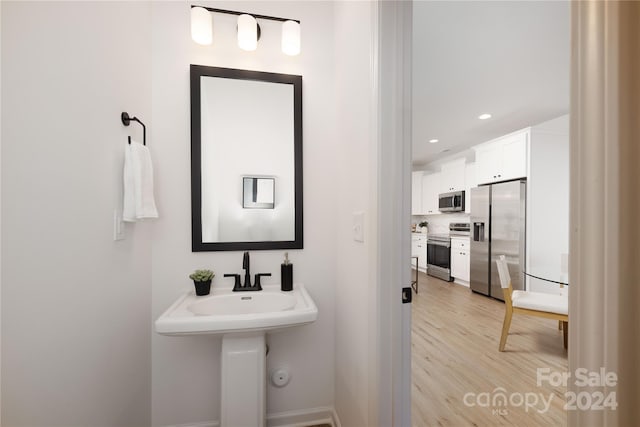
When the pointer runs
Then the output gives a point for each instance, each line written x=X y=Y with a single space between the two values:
x=459 y=229
x=439 y=256
x=439 y=251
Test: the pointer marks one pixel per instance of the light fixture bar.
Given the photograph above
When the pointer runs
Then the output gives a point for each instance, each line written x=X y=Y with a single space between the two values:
x=233 y=12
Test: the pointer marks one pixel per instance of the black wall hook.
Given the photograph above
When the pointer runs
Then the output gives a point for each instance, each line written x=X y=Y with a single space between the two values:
x=126 y=120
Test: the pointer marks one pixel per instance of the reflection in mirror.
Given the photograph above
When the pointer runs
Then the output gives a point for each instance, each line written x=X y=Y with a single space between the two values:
x=258 y=193
x=246 y=135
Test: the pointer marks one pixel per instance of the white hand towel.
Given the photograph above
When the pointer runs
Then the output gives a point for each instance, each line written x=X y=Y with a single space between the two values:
x=129 y=203
x=138 y=184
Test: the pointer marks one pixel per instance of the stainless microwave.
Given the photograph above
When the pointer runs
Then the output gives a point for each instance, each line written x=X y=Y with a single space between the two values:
x=451 y=202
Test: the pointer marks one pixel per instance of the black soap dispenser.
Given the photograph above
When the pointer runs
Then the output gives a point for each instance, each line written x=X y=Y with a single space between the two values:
x=286 y=274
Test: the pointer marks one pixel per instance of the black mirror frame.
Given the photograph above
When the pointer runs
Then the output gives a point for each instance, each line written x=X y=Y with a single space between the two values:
x=197 y=245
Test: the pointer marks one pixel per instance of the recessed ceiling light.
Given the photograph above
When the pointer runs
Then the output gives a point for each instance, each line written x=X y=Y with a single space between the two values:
x=484 y=116
x=433 y=141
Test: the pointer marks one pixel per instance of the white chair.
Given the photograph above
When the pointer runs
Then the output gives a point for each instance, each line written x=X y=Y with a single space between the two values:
x=532 y=303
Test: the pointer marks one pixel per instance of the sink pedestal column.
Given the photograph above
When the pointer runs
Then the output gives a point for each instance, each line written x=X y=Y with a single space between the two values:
x=244 y=380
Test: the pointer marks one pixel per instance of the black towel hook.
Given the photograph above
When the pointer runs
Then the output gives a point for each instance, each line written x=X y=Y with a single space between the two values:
x=126 y=120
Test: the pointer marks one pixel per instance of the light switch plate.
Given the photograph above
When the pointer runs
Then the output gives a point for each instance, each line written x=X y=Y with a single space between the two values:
x=118 y=226
x=358 y=226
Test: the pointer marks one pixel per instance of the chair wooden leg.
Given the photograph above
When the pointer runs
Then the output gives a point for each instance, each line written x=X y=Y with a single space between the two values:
x=505 y=329
x=565 y=333
x=559 y=325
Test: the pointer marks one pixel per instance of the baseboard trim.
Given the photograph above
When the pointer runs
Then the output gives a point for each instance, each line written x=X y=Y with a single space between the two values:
x=304 y=417
x=300 y=418
x=202 y=424
x=461 y=282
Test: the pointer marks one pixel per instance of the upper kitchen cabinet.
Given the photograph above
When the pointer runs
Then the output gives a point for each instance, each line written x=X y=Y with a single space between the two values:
x=430 y=192
x=502 y=159
x=416 y=193
x=452 y=176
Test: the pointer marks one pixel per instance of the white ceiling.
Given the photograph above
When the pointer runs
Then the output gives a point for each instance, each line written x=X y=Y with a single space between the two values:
x=507 y=58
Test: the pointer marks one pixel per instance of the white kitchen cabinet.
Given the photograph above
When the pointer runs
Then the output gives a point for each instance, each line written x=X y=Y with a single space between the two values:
x=430 y=192
x=514 y=156
x=452 y=176
x=469 y=183
x=488 y=161
x=416 y=193
x=419 y=249
x=502 y=159
x=460 y=259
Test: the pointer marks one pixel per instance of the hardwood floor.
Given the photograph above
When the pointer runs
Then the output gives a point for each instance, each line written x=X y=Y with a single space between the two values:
x=455 y=336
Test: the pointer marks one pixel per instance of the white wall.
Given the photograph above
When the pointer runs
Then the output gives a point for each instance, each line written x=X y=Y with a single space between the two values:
x=75 y=304
x=186 y=369
x=548 y=204
x=357 y=151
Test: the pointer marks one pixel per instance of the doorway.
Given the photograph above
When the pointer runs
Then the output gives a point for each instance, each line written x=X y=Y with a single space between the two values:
x=481 y=71
x=604 y=139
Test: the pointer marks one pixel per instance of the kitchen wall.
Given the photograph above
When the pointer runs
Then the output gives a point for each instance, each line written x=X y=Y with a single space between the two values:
x=76 y=312
x=440 y=223
x=186 y=369
x=548 y=204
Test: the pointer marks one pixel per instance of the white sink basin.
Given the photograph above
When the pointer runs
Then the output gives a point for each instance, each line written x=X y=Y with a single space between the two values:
x=250 y=302
x=224 y=311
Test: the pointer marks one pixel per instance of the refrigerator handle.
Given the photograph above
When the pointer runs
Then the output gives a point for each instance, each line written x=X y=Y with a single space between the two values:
x=478 y=231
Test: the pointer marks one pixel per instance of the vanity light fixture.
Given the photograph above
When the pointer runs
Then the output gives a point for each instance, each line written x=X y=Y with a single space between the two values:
x=248 y=29
x=247 y=32
x=291 y=38
x=201 y=26
x=433 y=141
x=484 y=116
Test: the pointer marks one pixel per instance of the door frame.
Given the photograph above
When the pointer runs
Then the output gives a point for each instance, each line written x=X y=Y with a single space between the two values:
x=390 y=403
x=604 y=201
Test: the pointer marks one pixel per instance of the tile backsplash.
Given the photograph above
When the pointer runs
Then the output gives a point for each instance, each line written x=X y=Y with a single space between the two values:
x=440 y=223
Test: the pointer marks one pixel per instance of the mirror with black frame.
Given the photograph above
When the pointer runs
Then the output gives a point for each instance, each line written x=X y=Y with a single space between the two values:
x=246 y=160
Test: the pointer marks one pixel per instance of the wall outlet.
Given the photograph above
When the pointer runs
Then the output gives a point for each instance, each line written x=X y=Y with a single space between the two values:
x=118 y=225
x=358 y=226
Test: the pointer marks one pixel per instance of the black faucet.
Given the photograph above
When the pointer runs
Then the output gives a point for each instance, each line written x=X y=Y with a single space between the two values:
x=247 y=273
x=247 y=286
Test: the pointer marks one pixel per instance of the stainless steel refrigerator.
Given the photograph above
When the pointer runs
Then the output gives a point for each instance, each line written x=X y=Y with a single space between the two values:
x=497 y=228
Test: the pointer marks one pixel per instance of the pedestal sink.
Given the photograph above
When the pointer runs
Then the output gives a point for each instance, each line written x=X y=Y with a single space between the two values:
x=242 y=318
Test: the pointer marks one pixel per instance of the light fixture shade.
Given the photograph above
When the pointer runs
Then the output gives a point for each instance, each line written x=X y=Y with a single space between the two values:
x=201 y=25
x=247 y=32
x=291 y=38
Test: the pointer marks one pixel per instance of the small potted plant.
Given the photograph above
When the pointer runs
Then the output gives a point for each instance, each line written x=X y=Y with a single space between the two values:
x=423 y=226
x=202 y=281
